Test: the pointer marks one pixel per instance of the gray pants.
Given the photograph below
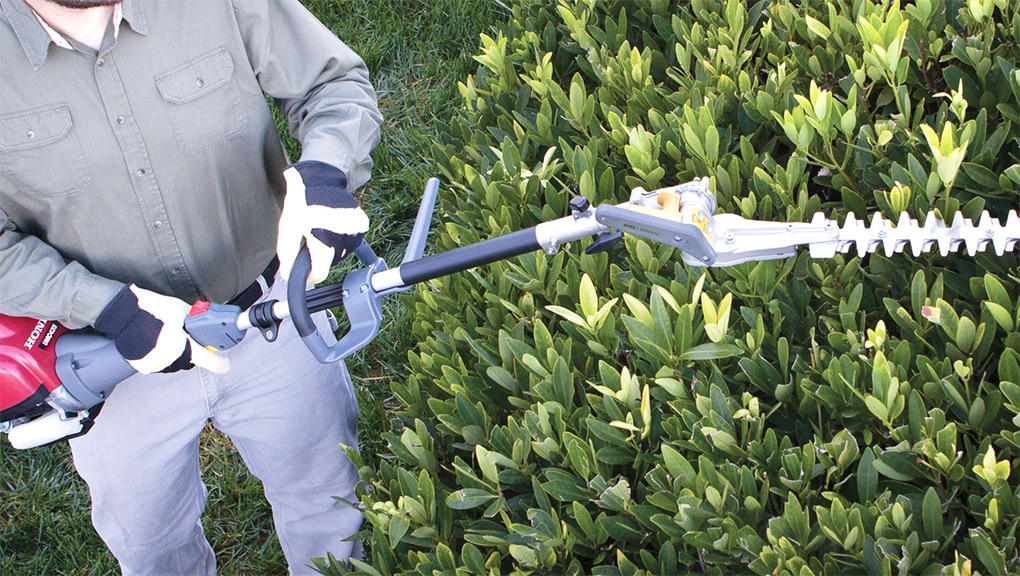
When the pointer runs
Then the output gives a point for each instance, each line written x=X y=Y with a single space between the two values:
x=286 y=414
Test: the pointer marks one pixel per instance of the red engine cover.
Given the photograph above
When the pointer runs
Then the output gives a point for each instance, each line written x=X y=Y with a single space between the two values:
x=27 y=360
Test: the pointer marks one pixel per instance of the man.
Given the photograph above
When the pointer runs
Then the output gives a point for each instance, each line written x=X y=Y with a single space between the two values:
x=140 y=171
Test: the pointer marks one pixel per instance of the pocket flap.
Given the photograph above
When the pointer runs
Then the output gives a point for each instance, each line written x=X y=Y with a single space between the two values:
x=35 y=127
x=196 y=77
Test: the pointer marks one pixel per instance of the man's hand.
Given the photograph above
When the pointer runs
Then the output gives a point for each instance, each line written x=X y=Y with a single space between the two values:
x=319 y=210
x=148 y=330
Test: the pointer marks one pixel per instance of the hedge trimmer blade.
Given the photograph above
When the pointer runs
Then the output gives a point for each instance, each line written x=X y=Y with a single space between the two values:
x=682 y=216
x=907 y=232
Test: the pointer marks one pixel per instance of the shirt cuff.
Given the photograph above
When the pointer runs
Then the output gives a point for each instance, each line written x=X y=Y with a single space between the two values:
x=358 y=171
x=91 y=298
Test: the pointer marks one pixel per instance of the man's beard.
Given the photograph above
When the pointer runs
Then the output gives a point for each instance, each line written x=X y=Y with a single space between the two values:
x=84 y=3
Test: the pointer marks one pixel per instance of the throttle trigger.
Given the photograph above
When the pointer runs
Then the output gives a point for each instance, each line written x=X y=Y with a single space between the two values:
x=603 y=242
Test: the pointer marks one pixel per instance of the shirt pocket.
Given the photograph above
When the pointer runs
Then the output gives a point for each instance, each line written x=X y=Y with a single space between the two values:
x=40 y=151
x=202 y=101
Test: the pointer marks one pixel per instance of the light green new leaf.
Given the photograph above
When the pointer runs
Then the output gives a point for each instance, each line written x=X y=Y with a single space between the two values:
x=712 y=351
x=817 y=28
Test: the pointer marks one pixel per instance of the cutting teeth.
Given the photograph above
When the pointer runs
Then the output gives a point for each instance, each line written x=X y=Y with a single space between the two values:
x=906 y=231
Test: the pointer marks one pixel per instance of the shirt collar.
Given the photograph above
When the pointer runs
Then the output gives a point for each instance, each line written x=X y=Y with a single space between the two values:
x=58 y=38
x=35 y=36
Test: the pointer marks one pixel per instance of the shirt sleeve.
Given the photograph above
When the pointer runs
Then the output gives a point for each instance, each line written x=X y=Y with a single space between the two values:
x=35 y=281
x=320 y=84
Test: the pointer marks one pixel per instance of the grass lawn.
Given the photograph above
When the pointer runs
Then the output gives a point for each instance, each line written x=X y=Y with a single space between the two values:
x=417 y=51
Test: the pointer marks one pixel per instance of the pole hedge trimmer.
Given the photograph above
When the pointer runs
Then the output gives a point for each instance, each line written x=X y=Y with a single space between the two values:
x=52 y=381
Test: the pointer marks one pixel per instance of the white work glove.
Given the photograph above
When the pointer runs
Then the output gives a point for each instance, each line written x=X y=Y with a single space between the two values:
x=319 y=210
x=148 y=330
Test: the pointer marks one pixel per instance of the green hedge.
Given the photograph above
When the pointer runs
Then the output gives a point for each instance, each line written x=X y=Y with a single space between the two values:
x=623 y=413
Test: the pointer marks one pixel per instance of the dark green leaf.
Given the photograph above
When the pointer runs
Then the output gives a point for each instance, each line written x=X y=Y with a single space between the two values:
x=867 y=476
x=468 y=498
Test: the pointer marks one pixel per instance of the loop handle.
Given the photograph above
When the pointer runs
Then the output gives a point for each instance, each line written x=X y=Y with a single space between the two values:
x=360 y=302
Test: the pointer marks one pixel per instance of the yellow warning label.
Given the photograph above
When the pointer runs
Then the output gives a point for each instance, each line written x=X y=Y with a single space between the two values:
x=701 y=220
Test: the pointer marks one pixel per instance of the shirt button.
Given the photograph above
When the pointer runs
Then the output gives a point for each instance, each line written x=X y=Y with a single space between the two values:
x=101 y=62
x=121 y=120
x=175 y=271
x=157 y=224
x=200 y=82
x=30 y=135
x=141 y=172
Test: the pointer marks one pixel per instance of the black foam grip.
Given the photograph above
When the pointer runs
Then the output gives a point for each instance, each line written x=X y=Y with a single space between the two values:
x=466 y=257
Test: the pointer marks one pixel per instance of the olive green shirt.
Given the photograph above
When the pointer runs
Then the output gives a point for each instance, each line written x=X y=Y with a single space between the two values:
x=156 y=160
